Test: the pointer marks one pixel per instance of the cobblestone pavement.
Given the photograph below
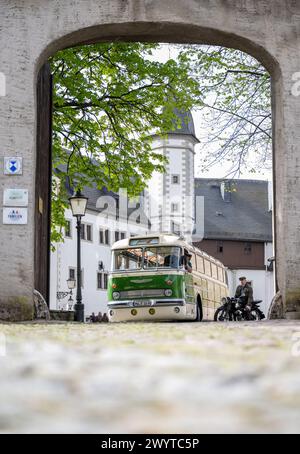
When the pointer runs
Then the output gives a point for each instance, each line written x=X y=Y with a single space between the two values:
x=150 y=378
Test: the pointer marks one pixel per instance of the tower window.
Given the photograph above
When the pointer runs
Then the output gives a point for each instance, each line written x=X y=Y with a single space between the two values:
x=175 y=179
x=175 y=228
x=174 y=207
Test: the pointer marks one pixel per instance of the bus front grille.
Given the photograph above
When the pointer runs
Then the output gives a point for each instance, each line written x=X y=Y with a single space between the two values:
x=142 y=293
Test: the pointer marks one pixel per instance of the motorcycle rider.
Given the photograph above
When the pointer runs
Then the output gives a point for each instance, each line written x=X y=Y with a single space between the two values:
x=245 y=290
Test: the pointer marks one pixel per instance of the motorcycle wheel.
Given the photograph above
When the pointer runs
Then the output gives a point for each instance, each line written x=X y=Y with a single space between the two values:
x=253 y=315
x=237 y=316
x=257 y=314
x=222 y=315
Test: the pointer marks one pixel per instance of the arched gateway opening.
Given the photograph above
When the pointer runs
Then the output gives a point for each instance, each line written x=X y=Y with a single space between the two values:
x=164 y=33
x=31 y=34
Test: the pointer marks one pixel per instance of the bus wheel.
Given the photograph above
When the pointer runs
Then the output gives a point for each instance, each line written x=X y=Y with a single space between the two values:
x=199 y=314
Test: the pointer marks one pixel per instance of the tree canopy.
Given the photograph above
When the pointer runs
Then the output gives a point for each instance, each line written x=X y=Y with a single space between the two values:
x=109 y=98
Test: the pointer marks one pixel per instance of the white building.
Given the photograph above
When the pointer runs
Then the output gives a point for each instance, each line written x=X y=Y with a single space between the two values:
x=99 y=231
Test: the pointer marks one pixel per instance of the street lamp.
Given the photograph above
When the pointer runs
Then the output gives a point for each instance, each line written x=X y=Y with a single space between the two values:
x=78 y=206
x=61 y=295
x=71 y=283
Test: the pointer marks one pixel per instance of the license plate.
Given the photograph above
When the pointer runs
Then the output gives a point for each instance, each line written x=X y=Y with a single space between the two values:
x=141 y=303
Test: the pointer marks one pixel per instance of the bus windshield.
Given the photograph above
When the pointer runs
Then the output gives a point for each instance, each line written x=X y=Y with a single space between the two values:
x=146 y=258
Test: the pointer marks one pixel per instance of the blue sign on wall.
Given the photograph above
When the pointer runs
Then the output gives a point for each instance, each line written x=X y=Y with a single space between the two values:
x=13 y=166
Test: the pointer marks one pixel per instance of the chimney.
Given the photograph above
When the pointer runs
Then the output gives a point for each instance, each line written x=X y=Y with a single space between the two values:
x=270 y=195
x=225 y=189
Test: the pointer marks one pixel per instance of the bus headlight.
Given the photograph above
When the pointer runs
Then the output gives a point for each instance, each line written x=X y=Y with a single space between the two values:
x=116 y=295
x=152 y=311
x=176 y=310
x=133 y=312
x=111 y=313
x=168 y=292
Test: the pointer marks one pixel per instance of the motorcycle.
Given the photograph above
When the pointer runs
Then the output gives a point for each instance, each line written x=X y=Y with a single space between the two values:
x=235 y=309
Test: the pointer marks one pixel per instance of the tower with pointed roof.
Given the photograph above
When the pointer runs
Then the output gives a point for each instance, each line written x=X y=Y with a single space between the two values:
x=170 y=196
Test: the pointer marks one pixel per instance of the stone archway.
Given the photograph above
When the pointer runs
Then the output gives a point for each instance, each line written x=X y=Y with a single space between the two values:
x=38 y=29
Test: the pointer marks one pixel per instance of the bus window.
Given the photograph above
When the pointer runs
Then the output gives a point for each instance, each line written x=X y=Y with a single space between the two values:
x=217 y=293
x=210 y=288
x=214 y=271
x=226 y=277
x=204 y=287
x=127 y=259
x=164 y=257
x=143 y=241
x=200 y=264
x=207 y=267
x=194 y=265
x=220 y=274
x=151 y=259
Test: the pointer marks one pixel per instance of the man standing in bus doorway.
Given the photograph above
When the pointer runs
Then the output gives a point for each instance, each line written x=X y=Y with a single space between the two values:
x=186 y=261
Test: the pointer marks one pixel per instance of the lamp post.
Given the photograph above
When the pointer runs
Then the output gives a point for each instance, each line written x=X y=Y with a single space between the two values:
x=78 y=206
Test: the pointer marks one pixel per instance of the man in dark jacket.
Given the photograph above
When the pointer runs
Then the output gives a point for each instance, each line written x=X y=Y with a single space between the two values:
x=245 y=290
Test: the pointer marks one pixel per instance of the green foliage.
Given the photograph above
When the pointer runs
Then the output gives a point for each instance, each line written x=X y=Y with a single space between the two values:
x=109 y=98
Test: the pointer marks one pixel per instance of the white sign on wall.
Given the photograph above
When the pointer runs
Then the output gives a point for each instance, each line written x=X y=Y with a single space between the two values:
x=15 y=197
x=13 y=166
x=15 y=216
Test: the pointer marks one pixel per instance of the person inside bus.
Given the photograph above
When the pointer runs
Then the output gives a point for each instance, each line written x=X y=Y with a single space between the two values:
x=171 y=261
x=185 y=260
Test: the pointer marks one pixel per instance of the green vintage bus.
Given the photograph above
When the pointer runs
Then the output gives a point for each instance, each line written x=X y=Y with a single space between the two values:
x=149 y=281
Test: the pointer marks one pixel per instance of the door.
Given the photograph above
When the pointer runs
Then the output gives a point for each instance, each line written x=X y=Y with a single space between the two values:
x=43 y=182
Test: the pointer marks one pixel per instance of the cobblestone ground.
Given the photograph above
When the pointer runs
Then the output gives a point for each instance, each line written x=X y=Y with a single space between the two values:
x=150 y=378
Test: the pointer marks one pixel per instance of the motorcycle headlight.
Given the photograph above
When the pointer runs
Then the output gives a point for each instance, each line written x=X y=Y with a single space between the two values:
x=168 y=292
x=224 y=300
x=116 y=295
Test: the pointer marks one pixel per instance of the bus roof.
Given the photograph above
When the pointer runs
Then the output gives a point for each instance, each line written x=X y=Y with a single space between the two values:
x=162 y=239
